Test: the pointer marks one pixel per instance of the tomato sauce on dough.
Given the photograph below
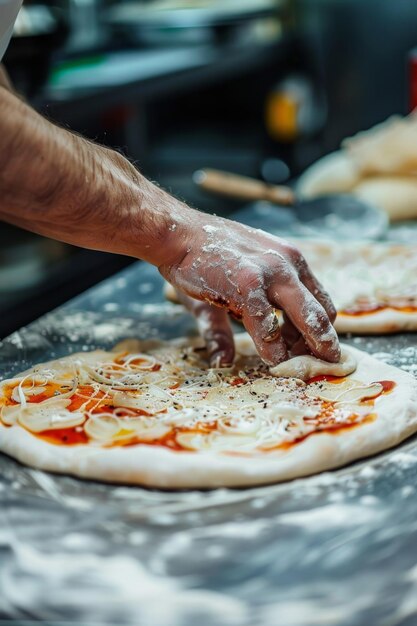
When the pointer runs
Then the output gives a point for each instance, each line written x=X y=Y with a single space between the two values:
x=99 y=402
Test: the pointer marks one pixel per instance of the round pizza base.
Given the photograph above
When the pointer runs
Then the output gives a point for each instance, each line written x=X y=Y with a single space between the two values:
x=159 y=467
x=382 y=322
x=321 y=254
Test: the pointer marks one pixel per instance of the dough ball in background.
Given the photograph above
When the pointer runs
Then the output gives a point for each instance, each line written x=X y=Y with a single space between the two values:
x=334 y=173
x=389 y=148
x=396 y=195
x=378 y=165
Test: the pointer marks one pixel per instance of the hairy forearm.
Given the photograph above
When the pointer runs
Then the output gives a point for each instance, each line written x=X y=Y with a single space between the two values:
x=60 y=185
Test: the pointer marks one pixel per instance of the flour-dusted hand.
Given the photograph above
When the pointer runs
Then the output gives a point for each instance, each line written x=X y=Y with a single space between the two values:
x=251 y=274
x=213 y=325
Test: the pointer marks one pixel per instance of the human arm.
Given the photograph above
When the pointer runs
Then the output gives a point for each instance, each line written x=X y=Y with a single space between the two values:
x=60 y=185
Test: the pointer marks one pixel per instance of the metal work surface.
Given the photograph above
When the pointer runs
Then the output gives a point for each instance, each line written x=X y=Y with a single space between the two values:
x=339 y=548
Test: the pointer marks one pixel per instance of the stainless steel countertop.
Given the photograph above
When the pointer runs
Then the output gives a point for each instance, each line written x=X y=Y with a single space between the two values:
x=339 y=548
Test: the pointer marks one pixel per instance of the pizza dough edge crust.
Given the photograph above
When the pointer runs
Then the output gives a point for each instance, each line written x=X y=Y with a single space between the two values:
x=163 y=468
x=382 y=322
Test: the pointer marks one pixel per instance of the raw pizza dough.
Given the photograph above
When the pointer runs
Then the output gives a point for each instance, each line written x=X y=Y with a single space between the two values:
x=306 y=367
x=373 y=285
x=336 y=173
x=378 y=165
x=160 y=417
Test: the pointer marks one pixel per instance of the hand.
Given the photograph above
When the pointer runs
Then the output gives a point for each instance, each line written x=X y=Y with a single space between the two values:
x=213 y=325
x=250 y=274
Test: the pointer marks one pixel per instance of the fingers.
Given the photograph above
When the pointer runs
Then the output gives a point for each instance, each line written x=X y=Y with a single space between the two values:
x=293 y=339
x=314 y=286
x=263 y=327
x=289 y=332
x=300 y=348
x=213 y=325
x=308 y=316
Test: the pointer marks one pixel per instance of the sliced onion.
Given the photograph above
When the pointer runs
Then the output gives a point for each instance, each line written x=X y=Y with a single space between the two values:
x=360 y=393
x=189 y=399
x=149 y=361
x=27 y=392
x=100 y=378
x=348 y=391
x=239 y=426
x=146 y=430
x=123 y=412
x=38 y=417
x=290 y=411
x=9 y=414
x=153 y=401
x=188 y=416
x=102 y=427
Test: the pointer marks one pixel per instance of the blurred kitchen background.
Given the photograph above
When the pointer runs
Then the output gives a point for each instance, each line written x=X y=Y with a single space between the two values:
x=257 y=87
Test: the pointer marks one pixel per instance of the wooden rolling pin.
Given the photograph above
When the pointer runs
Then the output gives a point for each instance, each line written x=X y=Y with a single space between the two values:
x=242 y=187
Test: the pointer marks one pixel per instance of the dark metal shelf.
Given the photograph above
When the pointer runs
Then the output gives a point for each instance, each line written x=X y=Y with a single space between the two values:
x=154 y=77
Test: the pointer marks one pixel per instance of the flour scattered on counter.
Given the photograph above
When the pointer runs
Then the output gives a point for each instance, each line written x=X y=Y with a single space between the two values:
x=120 y=283
x=336 y=496
x=407 y=490
x=137 y=538
x=403 y=459
x=258 y=503
x=109 y=589
x=249 y=529
x=176 y=546
x=78 y=542
x=332 y=515
x=307 y=612
x=369 y=500
x=111 y=306
x=215 y=552
x=145 y=288
x=383 y=356
x=162 y=519
x=368 y=471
